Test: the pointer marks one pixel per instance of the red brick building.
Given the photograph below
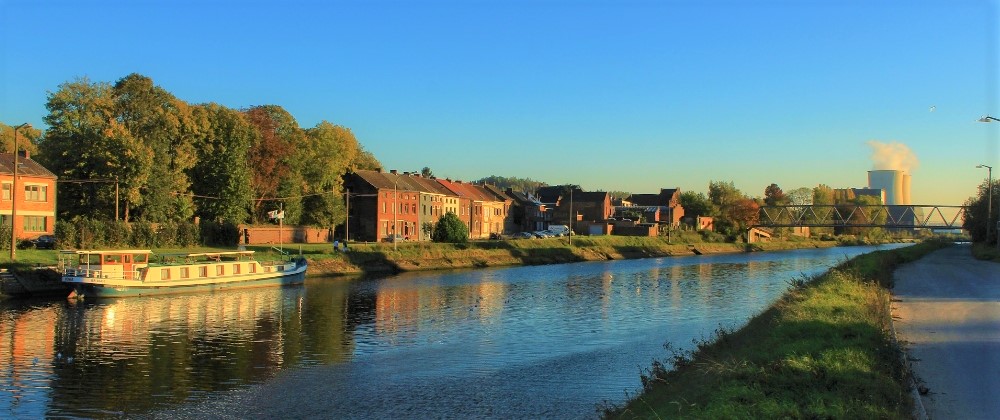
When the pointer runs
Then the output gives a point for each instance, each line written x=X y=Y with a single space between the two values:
x=35 y=196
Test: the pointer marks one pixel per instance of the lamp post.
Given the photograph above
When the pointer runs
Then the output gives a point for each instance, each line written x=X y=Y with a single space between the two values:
x=395 y=205
x=987 y=119
x=989 y=199
x=13 y=199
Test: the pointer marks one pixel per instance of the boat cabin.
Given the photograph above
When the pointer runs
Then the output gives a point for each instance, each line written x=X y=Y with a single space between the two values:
x=112 y=264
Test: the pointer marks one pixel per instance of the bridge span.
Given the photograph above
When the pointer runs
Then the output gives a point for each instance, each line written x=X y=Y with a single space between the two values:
x=933 y=216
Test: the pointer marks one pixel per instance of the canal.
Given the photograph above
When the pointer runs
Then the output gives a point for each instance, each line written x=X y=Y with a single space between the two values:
x=537 y=341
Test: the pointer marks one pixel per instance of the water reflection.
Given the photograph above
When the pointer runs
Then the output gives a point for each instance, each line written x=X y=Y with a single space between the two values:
x=525 y=341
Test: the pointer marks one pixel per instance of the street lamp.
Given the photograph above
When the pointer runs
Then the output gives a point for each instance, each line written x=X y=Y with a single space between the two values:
x=987 y=118
x=989 y=200
x=395 y=205
x=13 y=199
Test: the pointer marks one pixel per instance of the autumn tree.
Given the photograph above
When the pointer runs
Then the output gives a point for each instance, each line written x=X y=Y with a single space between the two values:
x=269 y=156
x=27 y=139
x=744 y=212
x=773 y=196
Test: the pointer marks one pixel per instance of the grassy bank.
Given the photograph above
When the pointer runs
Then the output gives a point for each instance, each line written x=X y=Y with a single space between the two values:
x=432 y=256
x=822 y=351
x=985 y=252
x=412 y=256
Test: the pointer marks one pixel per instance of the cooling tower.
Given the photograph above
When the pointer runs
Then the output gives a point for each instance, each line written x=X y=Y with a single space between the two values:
x=906 y=190
x=891 y=182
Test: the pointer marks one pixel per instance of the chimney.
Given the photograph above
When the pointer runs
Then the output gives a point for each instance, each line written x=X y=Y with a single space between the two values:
x=25 y=154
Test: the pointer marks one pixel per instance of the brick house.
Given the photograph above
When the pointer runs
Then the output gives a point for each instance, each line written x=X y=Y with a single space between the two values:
x=527 y=214
x=382 y=204
x=667 y=202
x=35 y=196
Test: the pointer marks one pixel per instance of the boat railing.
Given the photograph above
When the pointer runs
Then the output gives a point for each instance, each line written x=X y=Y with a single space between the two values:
x=92 y=273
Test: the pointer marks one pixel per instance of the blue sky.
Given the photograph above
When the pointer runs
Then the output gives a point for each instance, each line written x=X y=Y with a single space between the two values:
x=612 y=95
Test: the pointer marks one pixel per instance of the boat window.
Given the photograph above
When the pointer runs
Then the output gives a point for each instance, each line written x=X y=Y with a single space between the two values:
x=220 y=270
x=253 y=268
x=141 y=258
x=165 y=274
x=127 y=258
x=236 y=269
x=202 y=271
x=112 y=259
x=185 y=272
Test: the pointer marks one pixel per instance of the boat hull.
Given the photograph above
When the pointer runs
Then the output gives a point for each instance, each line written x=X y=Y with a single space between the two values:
x=111 y=289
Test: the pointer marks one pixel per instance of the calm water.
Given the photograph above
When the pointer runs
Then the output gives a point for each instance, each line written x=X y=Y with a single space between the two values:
x=542 y=341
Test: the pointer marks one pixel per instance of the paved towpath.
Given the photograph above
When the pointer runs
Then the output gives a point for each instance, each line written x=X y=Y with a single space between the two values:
x=948 y=316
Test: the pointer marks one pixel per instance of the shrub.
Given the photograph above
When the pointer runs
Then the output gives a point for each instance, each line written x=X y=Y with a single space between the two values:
x=450 y=229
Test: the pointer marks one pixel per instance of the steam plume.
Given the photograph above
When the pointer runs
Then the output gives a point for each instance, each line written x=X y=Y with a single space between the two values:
x=893 y=156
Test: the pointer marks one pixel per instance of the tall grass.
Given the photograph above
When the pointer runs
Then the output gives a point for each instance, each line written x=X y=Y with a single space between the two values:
x=824 y=350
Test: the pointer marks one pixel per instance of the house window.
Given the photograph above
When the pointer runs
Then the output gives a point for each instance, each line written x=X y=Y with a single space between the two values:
x=34 y=224
x=35 y=193
x=6 y=191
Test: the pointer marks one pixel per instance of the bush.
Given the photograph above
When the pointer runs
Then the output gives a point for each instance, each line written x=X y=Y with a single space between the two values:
x=450 y=229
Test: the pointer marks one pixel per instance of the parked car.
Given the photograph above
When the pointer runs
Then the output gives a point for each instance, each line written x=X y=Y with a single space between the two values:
x=394 y=238
x=524 y=235
x=41 y=242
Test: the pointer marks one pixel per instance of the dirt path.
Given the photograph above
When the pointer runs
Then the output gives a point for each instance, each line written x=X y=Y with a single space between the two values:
x=948 y=317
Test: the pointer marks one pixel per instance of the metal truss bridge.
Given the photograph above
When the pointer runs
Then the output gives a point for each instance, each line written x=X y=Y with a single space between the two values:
x=852 y=215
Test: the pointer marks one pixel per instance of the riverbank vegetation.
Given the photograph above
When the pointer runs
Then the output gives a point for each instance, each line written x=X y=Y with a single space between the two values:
x=825 y=350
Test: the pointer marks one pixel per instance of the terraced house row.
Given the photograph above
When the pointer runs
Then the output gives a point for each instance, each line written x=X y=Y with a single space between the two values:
x=383 y=205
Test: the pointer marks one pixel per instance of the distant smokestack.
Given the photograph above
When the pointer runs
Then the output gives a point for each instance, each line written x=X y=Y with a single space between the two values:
x=906 y=190
x=891 y=182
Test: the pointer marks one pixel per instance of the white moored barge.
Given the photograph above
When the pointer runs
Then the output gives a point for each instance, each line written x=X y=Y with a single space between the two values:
x=113 y=273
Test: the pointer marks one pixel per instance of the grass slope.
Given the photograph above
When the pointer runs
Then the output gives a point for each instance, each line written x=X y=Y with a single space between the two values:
x=824 y=350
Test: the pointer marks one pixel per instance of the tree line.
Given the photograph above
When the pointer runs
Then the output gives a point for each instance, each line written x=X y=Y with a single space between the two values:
x=134 y=149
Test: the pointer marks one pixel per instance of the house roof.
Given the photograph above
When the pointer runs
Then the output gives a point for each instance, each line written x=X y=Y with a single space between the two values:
x=550 y=194
x=401 y=182
x=468 y=191
x=523 y=198
x=26 y=167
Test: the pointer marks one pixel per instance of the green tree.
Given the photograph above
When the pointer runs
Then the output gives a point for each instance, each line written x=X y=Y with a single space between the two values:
x=697 y=205
x=330 y=151
x=450 y=229
x=154 y=117
x=517 y=184
x=224 y=190
x=979 y=219
x=822 y=196
x=80 y=144
x=426 y=172
x=365 y=161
